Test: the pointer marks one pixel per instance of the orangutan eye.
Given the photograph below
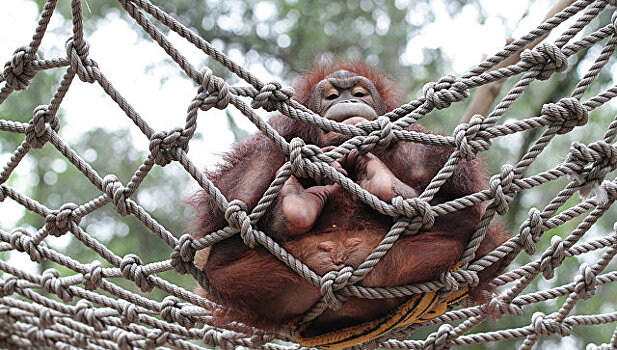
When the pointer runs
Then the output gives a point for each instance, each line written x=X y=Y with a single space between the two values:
x=332 y=96
x=359 y=91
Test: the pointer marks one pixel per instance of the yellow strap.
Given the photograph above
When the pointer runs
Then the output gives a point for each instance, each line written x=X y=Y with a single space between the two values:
x=419 y=308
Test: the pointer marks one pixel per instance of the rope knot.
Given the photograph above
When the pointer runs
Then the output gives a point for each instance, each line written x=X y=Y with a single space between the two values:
x=548 y=59
x=548 y=325
x=441 y=339
x=19 y=70
x=94 y=277
x=271 y=93
x=183 y=255
x=129 y=314
x=586 y=282
x=237 y=216
x=500 y=186
x=603 y=157
x=465 y=138
x=156 y=338
x=58 y=222
x=116 y=192
x=380 y=134
x=77 y=53
x=164 y=143
x=124 y=340
x=7 y=286
x=449 y=282
x=444 y=92
x=216 y=91
x=173 y=311
x=38 y=338
x=552 y=257
x=300 y=165
x=332 y=282
x=606 y=193
x=51 y=283
x=567 y=113
x=21 y=240
x=5 y=315
x=36 y=131
x=498 y=306
x=85 y=313
x=385 y=132
x=132 y=269
x=418 y=210
x=531 y=230
x=46 y=318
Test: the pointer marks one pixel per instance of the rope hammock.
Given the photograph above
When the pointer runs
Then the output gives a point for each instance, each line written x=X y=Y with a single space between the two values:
x=88 y=310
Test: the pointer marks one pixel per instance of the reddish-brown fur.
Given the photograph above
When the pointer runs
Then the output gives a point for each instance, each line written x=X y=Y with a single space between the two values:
x=261 y=291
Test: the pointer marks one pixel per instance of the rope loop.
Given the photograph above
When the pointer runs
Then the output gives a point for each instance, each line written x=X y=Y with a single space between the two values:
x=237 y=216
x=183 y=255
x=547 y=57
x=333 y=281
x=85 y=313
x=36 y=131
x=58 y=222
x=217 y=89
x=271 y=93
x=500 y=186
x=416 y=209
x=132 y=269
x=465 y=138
x=116 y=191
x=173 y=311
x=567 y=113
x=441 y=339
x=586 y=282
x=51 y=283
x=163 y=143
x=21 y=240
x=93 y=279
x=531 y=230
x=548 y=325
x=552 y=257
x=87 y=69
x=444 y=92
x=19 y=72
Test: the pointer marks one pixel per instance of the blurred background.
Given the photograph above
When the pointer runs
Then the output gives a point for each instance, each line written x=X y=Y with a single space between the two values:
x=415 y=41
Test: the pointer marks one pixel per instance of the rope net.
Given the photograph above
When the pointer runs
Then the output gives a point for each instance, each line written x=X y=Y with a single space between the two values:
x=88 y=310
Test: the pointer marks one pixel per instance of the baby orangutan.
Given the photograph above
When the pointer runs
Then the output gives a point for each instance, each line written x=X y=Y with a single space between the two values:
x=326 y=227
